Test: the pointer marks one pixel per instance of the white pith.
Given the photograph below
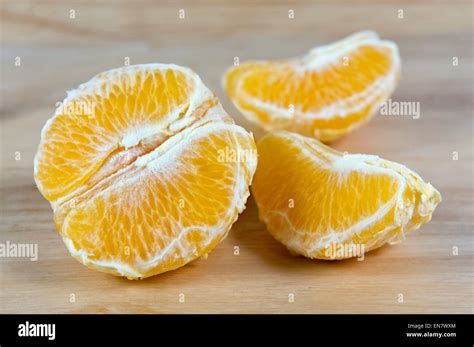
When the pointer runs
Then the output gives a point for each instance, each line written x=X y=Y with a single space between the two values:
x=316 y=60
x=134 y=135
x=157 y=159
x=214 y=121
x=341 y=166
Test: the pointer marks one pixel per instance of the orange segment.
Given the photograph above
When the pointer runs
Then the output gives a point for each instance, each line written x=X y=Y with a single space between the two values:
x=141 y=186
x=312 y=197
x=112 y=113
x=325 y=94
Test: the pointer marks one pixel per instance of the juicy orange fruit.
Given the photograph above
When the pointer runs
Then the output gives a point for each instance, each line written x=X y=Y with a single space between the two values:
x=325 y=94
x=316 y=200
x=136 y=166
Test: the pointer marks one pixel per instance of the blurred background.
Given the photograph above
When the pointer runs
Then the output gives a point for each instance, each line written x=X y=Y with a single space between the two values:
x=49 y=47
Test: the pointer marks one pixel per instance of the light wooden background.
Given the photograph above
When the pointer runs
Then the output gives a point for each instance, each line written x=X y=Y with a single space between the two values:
x=57 y=53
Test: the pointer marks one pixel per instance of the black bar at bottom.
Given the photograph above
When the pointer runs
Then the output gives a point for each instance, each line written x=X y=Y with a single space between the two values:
x=64 y=330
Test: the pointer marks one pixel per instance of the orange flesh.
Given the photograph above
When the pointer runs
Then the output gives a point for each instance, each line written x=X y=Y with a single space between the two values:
x=324 y=100
x=139 y=187
x=310 y=195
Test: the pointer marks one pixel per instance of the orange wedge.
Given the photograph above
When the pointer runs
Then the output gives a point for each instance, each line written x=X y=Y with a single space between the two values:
x=315 y=200
x=136 y=166
x=325 y=94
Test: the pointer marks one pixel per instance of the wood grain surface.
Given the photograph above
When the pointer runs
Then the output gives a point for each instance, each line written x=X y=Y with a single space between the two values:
x=58 y=53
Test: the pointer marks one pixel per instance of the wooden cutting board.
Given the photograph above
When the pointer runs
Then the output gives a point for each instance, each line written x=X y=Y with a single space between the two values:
x=432 y=271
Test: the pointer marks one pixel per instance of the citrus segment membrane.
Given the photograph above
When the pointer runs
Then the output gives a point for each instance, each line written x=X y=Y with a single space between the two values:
x=311 y=196
x=139 y=186
x=325 y=94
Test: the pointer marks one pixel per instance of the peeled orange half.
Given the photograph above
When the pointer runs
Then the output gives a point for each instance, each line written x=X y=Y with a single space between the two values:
x=317 y=201
x=144 y=170
x=325 y=94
